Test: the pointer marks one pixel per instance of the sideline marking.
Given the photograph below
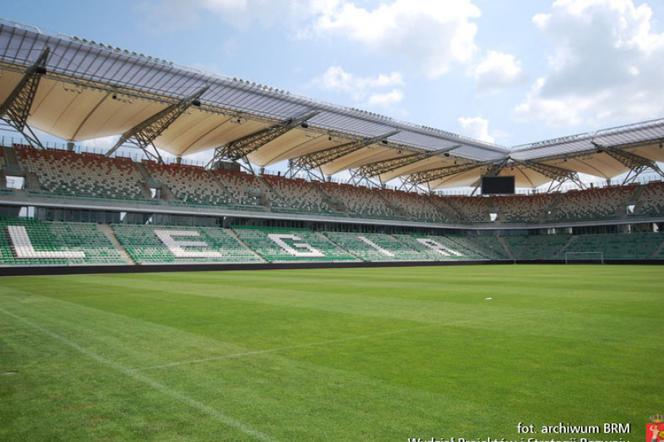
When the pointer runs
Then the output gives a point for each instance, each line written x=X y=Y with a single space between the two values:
x=193 y=403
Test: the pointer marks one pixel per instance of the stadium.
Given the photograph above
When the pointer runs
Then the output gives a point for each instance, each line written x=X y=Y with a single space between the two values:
x=148 y=297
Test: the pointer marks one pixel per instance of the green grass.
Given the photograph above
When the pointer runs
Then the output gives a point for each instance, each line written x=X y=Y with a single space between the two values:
x=373 y=354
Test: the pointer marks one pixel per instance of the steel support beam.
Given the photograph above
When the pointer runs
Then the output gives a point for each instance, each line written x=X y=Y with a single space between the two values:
x=15 y=110
x=635 y=163
x=240 y=148
x=558 y=175
x=381 y=167
x=317 y=159
x=438 y=173
x=143 y=134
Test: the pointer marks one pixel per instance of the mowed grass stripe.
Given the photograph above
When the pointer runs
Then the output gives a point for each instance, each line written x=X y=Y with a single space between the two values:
x=361 y=402
x=182 y=398
x=514 y=305
x=404 y=362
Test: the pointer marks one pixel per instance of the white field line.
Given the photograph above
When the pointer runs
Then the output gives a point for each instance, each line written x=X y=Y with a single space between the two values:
x=128 y=372
x=294 y=347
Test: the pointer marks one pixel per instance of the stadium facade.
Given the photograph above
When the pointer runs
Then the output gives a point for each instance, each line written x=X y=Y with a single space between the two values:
x=89 y=209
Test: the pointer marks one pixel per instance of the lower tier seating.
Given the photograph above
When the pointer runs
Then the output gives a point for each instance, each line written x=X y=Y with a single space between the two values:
x=438 y=248
x=376 y=247
x=30 y=242
x=615 y=246
x=538 y=246
x=26 y=242
x=287 y=245
x=163 y=245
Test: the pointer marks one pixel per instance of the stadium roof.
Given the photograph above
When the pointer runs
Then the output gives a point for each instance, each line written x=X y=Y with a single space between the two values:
x=92 y=90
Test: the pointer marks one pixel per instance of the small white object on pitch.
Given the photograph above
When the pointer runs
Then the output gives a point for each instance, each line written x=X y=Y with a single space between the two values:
x=488 y=299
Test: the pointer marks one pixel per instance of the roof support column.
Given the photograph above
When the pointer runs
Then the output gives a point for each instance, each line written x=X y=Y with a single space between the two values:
x=242 y=147
x=319 y=158
x=636 y=163
x=15 y=110
x=143 y=134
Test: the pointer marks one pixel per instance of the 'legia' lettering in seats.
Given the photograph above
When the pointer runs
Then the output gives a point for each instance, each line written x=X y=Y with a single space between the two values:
x=438 y=247
x=375 y=246
x=310 y=251
x=176 y=246
x=24 y=249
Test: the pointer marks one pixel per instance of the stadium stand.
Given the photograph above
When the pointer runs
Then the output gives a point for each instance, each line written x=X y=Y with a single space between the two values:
x=164 y=245
x=81 y=174
x=624 y=246
x=295 y=195
x=31 y=242
x=610 y=202
x=487 y=246
x=472 y=209
x=651 y=200
x=522 y=208
x=198 y=186
x=438 y=248
x=71 y=174
x=376 y=247
x=361 y=201
x=538 y=247
x=414 y=206
x=287 y=245
x=28 y=242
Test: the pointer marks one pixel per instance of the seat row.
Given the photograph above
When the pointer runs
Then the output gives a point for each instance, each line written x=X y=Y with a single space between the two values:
x=88 y=175
x=30 y=242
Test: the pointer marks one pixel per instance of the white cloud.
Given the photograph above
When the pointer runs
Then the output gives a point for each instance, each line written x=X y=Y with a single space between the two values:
x=173 y=15
x=497 y=70
x=606 y=65
x=386 y=99
x=434 y=35
x=476 y=127
x=371 y=89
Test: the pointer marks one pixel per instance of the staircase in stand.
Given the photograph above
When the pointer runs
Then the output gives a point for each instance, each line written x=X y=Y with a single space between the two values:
x=108 y=231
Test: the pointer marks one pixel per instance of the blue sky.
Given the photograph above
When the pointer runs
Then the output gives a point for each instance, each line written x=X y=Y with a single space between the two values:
x=509 y=71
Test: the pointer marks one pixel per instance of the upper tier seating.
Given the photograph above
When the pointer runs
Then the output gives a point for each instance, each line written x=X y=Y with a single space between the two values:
x=54 y=243
x=87 y=175
x=361 y=201
x=295 y=195
x=651 y=200
x=196 y=185
x=72 y=174
x=472 y=209
x=376 y=246
x=147 y=244
x=414 y=206
x=523 y=208
x=284 y=245
x=601 y=203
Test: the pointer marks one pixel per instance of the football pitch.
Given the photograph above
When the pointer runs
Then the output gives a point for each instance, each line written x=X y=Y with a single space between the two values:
x=331 y=354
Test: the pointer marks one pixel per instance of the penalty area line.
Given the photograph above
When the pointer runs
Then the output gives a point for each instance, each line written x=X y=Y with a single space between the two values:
x=128 y=372
x=291 y=347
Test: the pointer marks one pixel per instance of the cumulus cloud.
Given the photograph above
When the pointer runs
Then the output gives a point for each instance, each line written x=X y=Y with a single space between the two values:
x=386 y=99
x=606 y=64
x=476 y=127
x=497 y=70
x=370 y=89
x=173 y=15
x=433 y=35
